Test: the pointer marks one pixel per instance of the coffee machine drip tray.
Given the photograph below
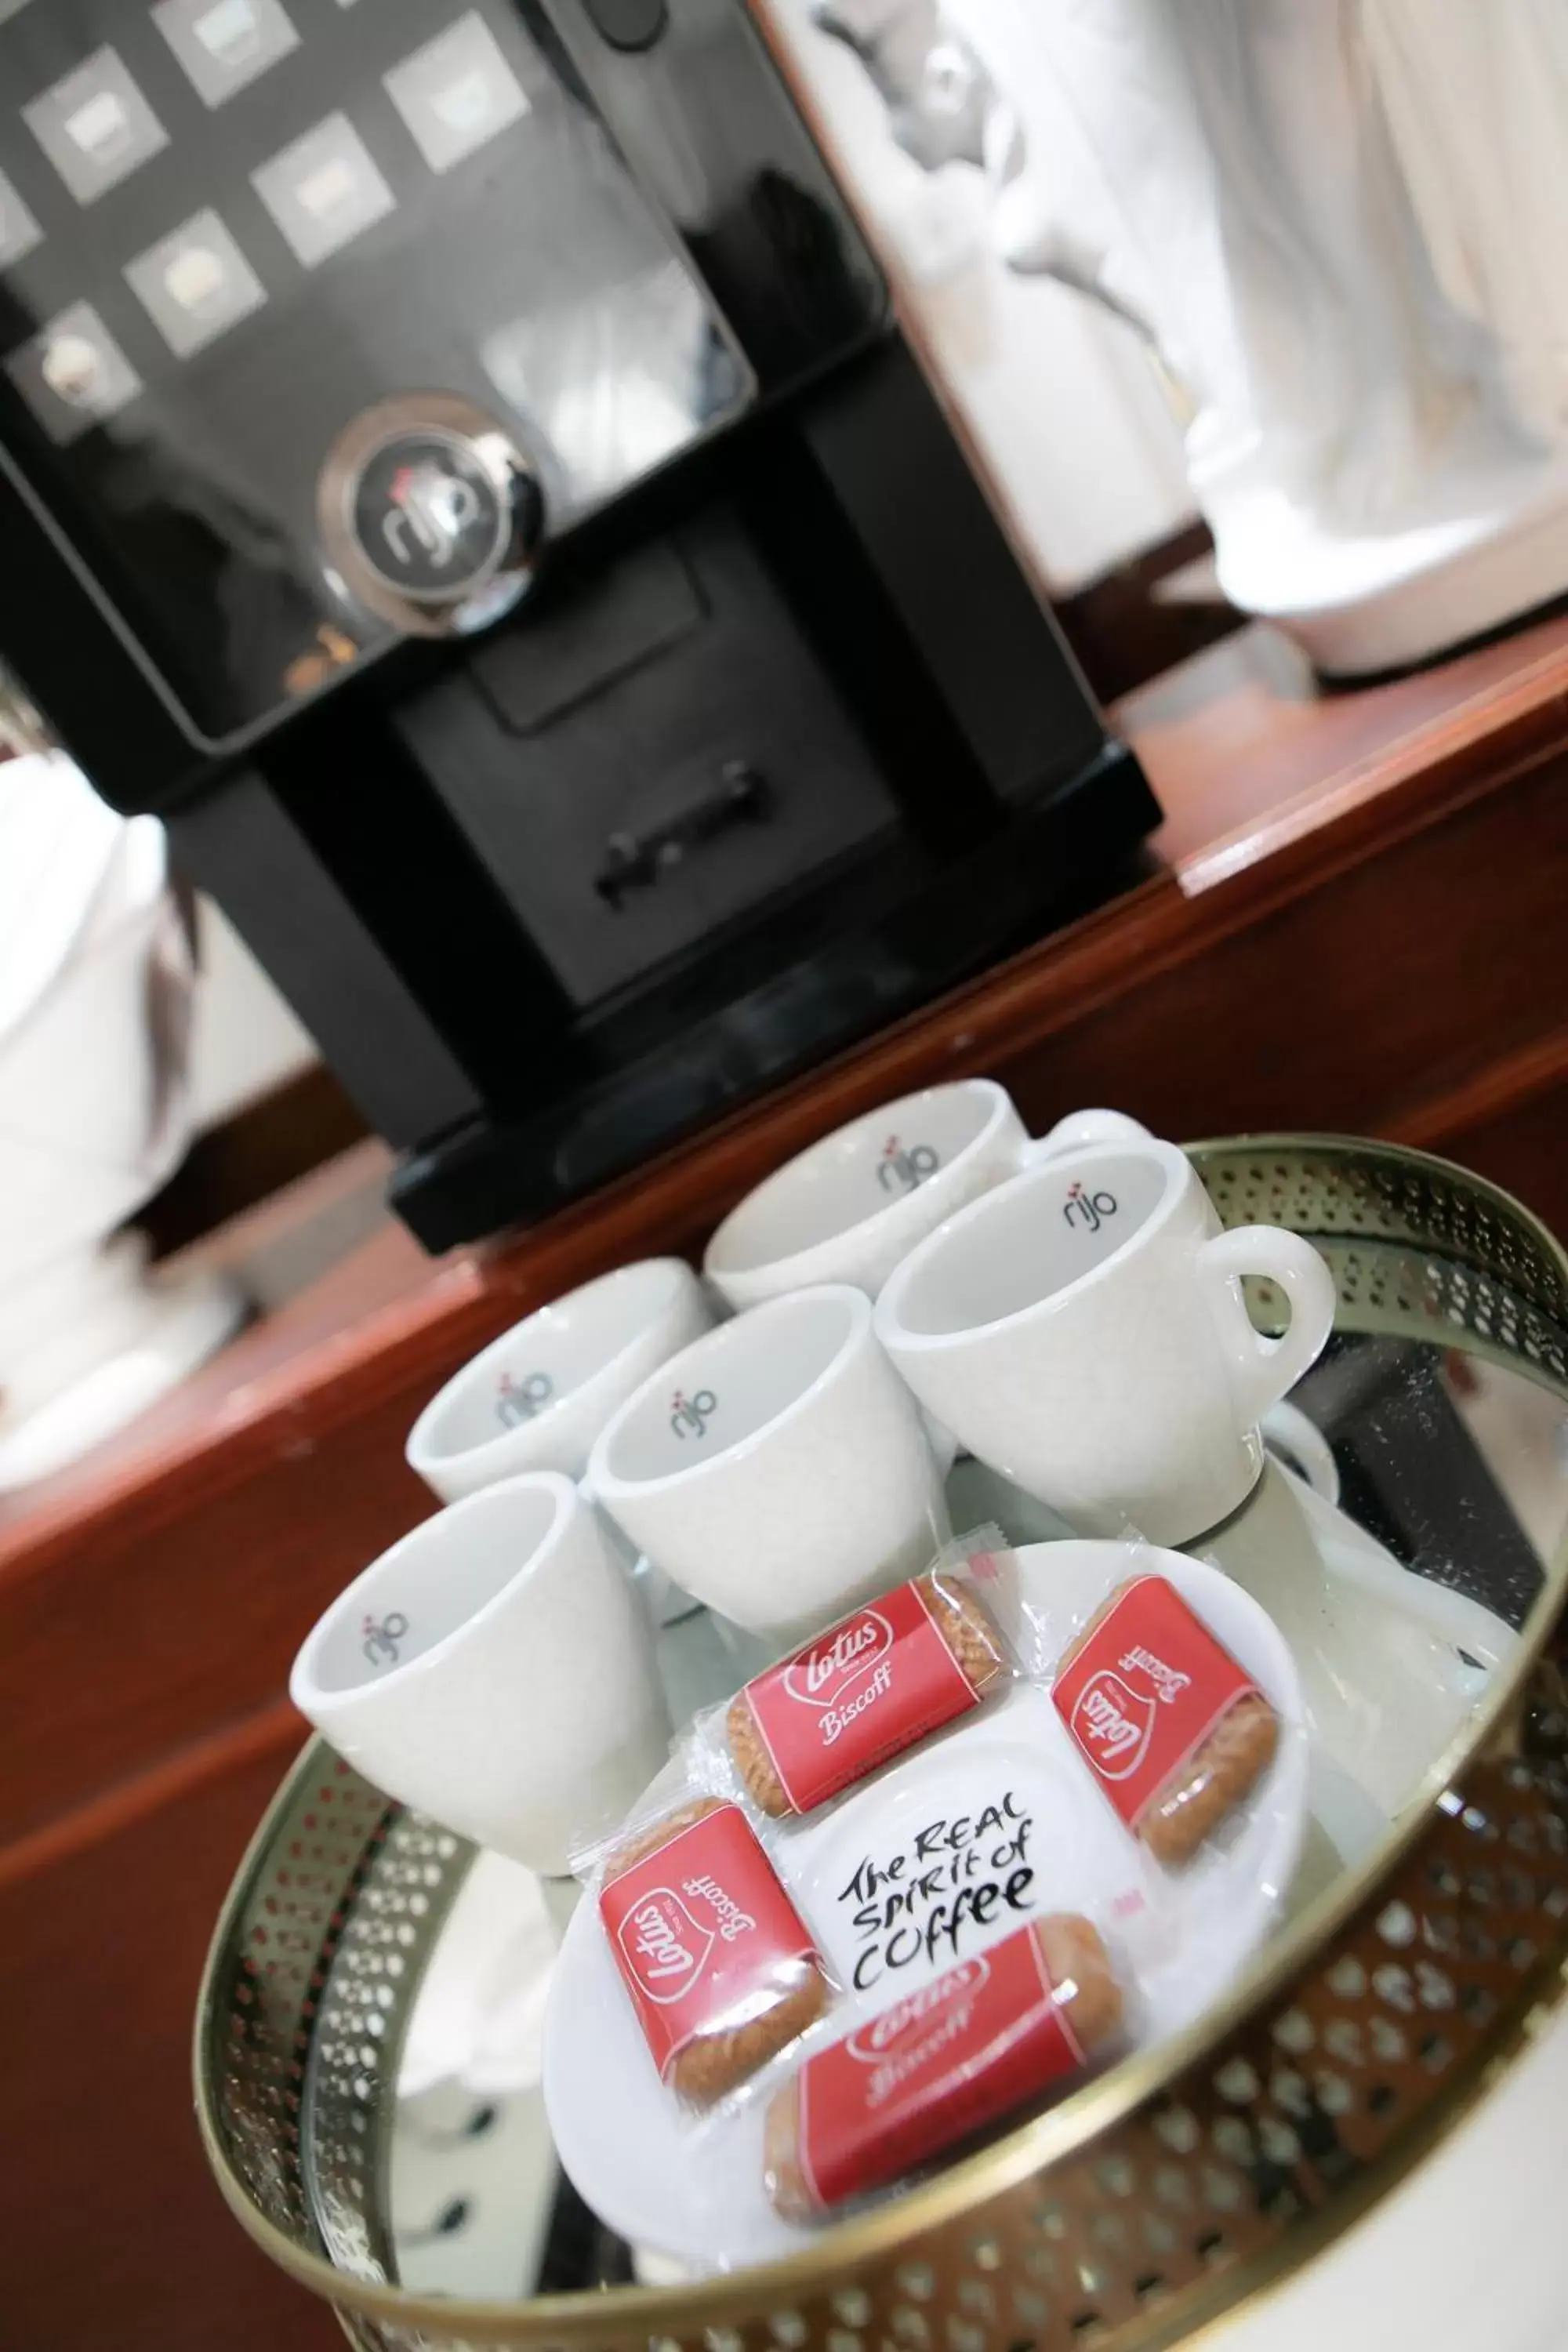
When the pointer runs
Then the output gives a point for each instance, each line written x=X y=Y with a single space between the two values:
x=895 y=931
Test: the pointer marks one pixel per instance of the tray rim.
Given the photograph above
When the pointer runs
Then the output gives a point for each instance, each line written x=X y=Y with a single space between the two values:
x=839 y=2253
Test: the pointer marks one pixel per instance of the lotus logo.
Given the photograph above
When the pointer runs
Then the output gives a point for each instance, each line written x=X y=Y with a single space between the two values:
x=664 y=1945
x=909 y=2021
x=820 y=1676
x=1113 y=1724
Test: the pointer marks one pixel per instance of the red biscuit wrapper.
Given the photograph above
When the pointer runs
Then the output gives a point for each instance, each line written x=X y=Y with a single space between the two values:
x=1172 y=1729
x=986 y=2037
x=866 y=1689
x=720 y=1967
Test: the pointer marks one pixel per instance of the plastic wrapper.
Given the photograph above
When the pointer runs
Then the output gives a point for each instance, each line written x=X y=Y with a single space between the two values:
x=719 y=1967
x=1176 y=1733
x=860 y=1693
x=1056 y=1829
x=727 y=1983
x=995 y=2034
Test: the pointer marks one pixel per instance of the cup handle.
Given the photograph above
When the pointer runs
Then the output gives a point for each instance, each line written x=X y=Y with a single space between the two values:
x=1080 y=1128
x=1287 y=1430
x=1262 y=1370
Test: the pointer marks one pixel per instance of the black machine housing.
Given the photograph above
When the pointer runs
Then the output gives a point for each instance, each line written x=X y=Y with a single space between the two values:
x=457 y=468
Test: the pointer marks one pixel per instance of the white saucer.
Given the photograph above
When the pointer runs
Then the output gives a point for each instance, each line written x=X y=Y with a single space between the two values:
x=697 y=2192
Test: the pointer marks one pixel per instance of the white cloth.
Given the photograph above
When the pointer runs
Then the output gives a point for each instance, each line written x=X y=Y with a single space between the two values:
x=60 y=846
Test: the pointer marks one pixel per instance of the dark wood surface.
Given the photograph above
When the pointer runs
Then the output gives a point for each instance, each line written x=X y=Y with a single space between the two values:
x=115 y=2239
x=1356 y=925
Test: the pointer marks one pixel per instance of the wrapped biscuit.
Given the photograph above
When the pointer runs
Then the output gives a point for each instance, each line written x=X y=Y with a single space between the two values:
x=1175 y=1731
x=987 y=2037
x=721 y=1969
x=868 y=1687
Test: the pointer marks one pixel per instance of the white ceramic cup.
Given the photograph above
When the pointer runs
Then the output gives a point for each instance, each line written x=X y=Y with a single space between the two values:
x=778 y=1468
x=495 y=1669
x=536 y=1398
x=1082 y=1331
x=850 y=1207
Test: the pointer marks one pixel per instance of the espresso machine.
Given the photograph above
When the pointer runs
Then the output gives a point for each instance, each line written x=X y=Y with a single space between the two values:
x=457 y=468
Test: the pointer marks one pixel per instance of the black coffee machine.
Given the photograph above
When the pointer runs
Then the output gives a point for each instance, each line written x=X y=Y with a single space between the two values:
x=456 y=467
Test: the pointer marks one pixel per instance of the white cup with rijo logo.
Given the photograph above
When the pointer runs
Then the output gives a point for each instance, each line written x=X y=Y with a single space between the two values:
x=1082 y=1331
x=536 y=1398
x=778 y=1468
x=850 y=1207
x=494 y=1669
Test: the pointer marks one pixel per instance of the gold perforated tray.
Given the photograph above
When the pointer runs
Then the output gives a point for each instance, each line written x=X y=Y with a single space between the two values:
x=1156 y=2199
